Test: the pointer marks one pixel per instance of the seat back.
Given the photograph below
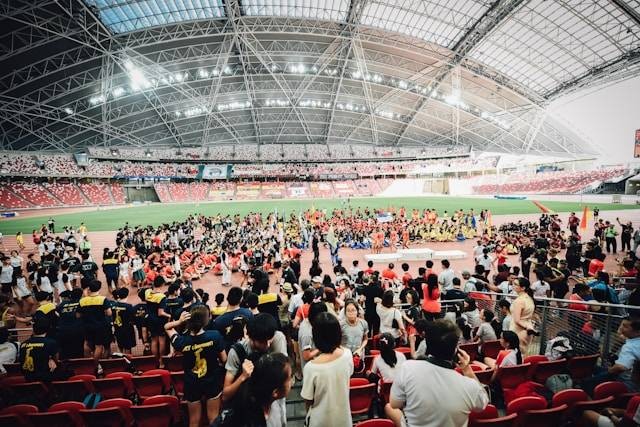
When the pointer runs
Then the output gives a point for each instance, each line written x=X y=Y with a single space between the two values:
x=353 y=382
x=404 y=350
x=158 y=415
x=107 y=417
x=146 y=363
x=127 y=377
x=52 y=419
x=124 y=405
x=489 y=412
x=543 y=417
x=385 y=390
x=609 y=388
x=512 y=376
x=544 y=370
x=582 y=366
x=378 y=422
x=73 y=408
x=166 y=376
x=30 y=393
x=471 y=350
x=110 y=388
x=109 y=366
x=69 y=390
x=593 y=405
x=149 y=385
x=172 y=401
x=569 y=397
x=177 y=379
x=484 y=376
x=507 y=421
x=85 y=365
x=526 y=403
x=360 y=398
x=173 y=363
x=20 y=409
x=491 y=348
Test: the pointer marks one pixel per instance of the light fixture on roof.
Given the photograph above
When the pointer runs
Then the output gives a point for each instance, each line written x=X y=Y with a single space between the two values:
x=215 y=72
x=136 y=76
x=203 y=73
x=94 y=100
x=227 y=70
x=117 y=92
x=178 y=77
x=114 y=151
x=402 y=84
x=68 y=110
x=356 y=74
x=147 y=153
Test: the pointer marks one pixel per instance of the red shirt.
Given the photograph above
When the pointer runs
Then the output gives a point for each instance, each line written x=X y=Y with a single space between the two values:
x=406 y=278
x=389 y=274
x=595 y=266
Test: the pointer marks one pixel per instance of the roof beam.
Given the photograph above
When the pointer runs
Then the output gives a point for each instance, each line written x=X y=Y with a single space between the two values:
x=233 y=9
x=494 y=16
x=613 y=69
x=628 y=10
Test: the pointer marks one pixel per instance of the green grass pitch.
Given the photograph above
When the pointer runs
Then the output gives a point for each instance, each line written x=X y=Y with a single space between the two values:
x=112 y=219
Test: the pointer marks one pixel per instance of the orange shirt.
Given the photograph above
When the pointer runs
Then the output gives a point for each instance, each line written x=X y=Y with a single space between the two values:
x=430 y=304
x=389 y=274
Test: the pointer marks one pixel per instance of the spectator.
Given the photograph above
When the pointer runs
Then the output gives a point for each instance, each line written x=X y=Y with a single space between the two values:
x=522 y=310
x=390 y=317
x=354 y=329
x=388 y=363
x=445 y=279
x=8 y=350
x=431 y=298
x=453 y=395
x=39 y=355
x=326 y=378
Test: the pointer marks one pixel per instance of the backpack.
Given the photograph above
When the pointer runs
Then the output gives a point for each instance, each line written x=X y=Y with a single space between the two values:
x=558 y=382
x=91 y=400
x=559 y=348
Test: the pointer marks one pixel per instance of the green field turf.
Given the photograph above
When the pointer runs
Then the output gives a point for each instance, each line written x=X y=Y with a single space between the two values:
x=112 y=219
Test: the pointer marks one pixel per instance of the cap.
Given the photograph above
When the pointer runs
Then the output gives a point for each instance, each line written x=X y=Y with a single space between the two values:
x=466 y=273
x=286 y=287
x=316 y=279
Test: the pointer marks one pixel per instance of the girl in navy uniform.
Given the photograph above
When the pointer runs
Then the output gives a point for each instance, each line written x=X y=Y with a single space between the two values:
x=204 y=358
x=123 y=316
x=70 y=326
x=157 y=317
x=96 y=316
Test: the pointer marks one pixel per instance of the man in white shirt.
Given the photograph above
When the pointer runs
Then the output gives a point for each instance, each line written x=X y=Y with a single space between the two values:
x=445 y=278
x=450 y=397
x=477 y=250
x=469 y=282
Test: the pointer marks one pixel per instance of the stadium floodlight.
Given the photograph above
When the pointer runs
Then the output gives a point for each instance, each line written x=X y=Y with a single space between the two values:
x=402 y=84
x=147 y=153
x=117 y=92
x=95 y=100
x=178 y=113
x=178 y=77
x=356 y=74
x=215 y=72
x=227 y=70
x=203 y=73
x=136 y=76
x=68 y=110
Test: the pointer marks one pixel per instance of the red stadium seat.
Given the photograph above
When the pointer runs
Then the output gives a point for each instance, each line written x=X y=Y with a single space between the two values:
x=534 y=359
x=13 y=420
x=69 y=390
x=16 y=415
x=86 y=365
x=166 y=377
x=52 y=419
x=368 y=362
x=592 y=405
x=489 y=412
x=491 y=349
x=124 y=405
x=177 y=379
x=30 y=392
x=152 y=415
x=484 y=376
x=507 y=421
x=609 y=388
x=127 y=377
x=581 y=367
x=569 y=397
x=149 y=385
x=544 y=370
x=354 y=382
x=471 y=349
x=542 y=417
x=510 y=377
x=73 y=408
x=361 y=397
x=111 y=388
x=173 y=363
x=145 y=363
x=172 y=401
x=108 y=417
x=8 y=382
x=378 y=422
x=21 y=409
x=526 y=403
x=110 y=366
x=404 y=350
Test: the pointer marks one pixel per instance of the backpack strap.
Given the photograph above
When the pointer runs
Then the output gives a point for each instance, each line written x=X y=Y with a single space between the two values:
x=241 y=352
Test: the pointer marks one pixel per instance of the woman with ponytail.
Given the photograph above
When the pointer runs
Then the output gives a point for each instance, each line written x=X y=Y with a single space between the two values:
x=522 y=311
x=510 y=356
x=204 y=358
x=270 y=382
x=388 y=363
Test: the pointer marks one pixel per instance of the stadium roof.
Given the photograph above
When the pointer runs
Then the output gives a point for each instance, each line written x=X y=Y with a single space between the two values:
x=190 y=73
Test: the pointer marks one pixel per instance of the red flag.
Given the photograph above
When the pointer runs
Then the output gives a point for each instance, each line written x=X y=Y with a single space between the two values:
x=542 y=207
x=583 y=221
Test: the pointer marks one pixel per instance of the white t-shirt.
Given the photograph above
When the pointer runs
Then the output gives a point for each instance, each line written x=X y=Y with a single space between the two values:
x=540 y=288
x=478 y=251
x=510 y=359
x=447 y=401
x=386 y=372
x=386 y=320
x=446 y=278
x=327 y=385
x=485 y=262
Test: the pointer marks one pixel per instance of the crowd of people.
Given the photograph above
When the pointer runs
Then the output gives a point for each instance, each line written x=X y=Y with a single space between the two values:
x=282 y=323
